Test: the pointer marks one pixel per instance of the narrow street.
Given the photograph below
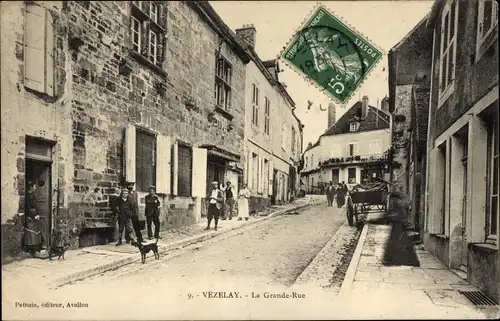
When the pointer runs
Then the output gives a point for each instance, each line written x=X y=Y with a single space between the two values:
x=267 y=258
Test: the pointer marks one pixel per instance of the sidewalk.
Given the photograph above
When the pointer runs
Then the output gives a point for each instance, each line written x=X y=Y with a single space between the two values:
x=432 y=287
x=82 y=263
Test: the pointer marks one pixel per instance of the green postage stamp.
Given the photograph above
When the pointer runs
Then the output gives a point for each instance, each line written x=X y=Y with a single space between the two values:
x=331 y=54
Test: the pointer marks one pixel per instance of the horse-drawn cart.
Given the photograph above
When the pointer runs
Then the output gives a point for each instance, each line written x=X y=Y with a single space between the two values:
x=364 y=198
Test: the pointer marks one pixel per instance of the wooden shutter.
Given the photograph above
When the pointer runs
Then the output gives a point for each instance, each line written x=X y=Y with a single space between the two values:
x=163 y=164
x=271 y=178
x=175 y=175
x=249 y=169
x=259 y=174
x=34 y=48
x=130 y=153
x=199 y=182
x=49 y=54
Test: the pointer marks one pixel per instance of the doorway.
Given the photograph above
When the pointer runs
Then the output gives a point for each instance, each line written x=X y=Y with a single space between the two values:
x=39 y=172
x=335 y=176
x=463 y=262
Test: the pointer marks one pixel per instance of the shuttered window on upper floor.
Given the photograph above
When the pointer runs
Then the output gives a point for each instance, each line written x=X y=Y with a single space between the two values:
x=39 y=50
x=448 y=48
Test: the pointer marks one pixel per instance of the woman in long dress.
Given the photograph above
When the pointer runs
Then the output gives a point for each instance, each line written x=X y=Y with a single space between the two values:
x=243 y=197
x=33 y=239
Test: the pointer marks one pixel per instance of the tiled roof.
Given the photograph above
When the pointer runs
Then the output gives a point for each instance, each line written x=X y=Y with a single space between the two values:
x=369 y=123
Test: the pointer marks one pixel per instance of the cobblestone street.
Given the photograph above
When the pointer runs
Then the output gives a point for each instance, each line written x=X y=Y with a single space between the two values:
x=269 y=256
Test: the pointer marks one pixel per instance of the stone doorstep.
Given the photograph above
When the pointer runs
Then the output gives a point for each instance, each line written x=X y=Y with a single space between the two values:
x=162 y=249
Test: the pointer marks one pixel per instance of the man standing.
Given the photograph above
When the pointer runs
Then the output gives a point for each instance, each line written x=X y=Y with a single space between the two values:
x=124 y=209
x=135 y=216
x=229 y=200
x=215 y=199
x=330 y=190
x=152 y=213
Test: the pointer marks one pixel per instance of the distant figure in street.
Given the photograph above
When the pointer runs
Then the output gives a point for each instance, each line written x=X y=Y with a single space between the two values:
x=341 y=193
x=229 y=201
x=243 y=197
x=330 y=192
x=215 y=200
x=135 y=216
x=125 y=209
x=152 y=213
x=33 y=237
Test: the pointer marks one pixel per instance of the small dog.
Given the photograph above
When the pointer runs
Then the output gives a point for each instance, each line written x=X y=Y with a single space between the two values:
x=146 y=248
x=58 y=247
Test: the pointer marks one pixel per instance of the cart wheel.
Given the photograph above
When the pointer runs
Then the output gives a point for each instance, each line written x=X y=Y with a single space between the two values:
x=350 y=212
x=356 y=212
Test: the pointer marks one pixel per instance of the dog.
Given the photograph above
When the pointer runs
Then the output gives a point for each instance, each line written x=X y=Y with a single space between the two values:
x=58 y=246
x=146 y=248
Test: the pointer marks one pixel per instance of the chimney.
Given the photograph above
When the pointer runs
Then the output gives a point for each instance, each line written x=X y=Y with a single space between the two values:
x=247 y=33
x=364 y=107
x=309 y=145
x=331 y=114
x=385 y=104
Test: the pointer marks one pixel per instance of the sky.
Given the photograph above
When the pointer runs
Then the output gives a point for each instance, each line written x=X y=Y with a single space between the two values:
x=384 y=23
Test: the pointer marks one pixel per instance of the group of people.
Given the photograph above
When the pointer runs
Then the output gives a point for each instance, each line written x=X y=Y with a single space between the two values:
x=127 y=210
x=337 y=192
x=220 y=196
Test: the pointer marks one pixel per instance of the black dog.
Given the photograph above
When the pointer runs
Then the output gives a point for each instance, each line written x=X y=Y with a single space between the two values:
x=145 y=249
x=58 y=246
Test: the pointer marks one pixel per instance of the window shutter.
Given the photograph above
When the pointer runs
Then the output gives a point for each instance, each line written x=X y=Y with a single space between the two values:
x=199 y=185
x=164 y=164
x=259 y=174
x=130 y=153
x=271 y=178
x=49 y=54
x=175 y=171
x=34 y=48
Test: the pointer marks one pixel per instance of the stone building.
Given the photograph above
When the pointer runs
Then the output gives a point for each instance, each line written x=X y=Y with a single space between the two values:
x=98 y=93
x=462 y=224
x=409 y=86
x=352 y=150
x=273 y=133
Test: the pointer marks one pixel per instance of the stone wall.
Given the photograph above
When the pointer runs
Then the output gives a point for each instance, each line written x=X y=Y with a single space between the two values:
x=96 y=100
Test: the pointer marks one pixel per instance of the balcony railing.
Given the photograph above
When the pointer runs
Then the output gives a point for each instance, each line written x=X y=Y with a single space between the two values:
x=356 y=159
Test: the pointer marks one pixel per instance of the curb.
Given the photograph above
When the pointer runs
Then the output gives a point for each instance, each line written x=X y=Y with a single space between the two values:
x=353 y=266
x=164 y=249
x=308 y=268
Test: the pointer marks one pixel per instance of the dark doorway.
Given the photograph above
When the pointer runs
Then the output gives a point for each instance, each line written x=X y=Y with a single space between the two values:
x=39 y=172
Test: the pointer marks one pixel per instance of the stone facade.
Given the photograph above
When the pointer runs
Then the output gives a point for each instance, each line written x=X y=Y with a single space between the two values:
x=106 y=93
x=463 y=117
x=273 y=133
x=409 y=72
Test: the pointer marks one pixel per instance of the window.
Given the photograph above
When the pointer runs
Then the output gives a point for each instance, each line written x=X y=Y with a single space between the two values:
x=153 y=12
x=307 y=161
x=351 y=175
x=487 y=20
x=284 y=137
x=354 y=126
x=39 y=50
x=293 y=140
x=449 y=22
x=146 y=32
x=145 y=160
x=352 y=149
x=223 y=79
x=255 y=105
x=312 y=160
x=185 y=168
x=492 y=188
x=153 y=43
x=136 y=34
x=267 y=115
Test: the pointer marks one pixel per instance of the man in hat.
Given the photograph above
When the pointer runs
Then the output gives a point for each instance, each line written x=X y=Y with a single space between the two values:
x=124 y=207
x=215 y=199
x=152 y=213
x=135 y=216
x=229 y=201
